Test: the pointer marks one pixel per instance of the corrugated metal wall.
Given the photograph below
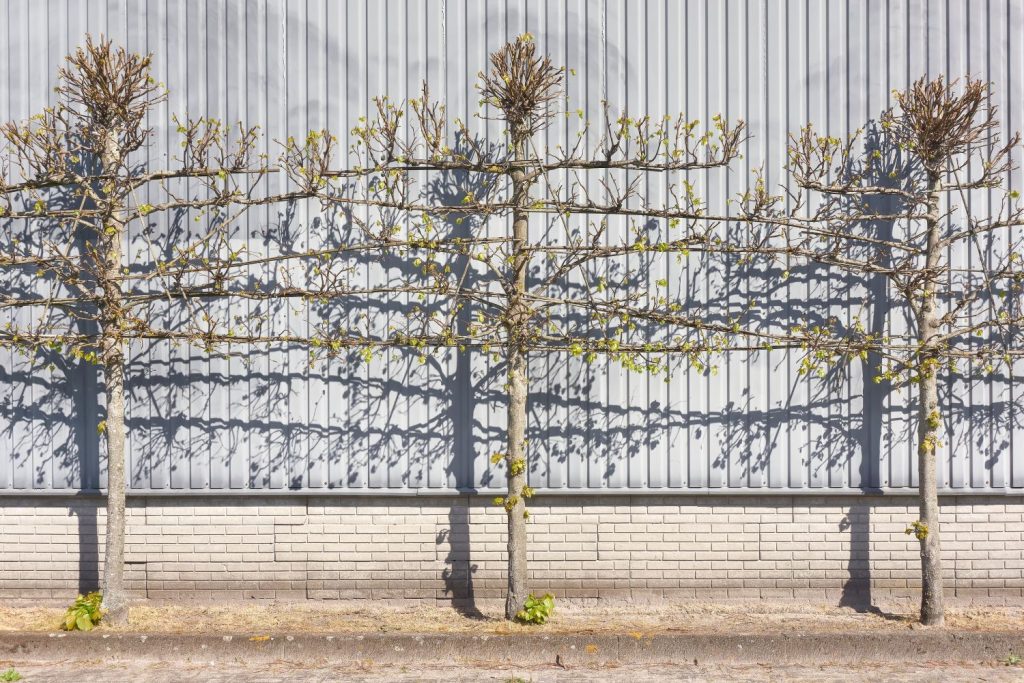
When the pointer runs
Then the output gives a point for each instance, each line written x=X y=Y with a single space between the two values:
x=275 y=424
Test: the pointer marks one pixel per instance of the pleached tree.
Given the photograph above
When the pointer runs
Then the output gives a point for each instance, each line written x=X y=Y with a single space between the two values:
x=900 y=204
x=492 y=244
x=521 y=261
x=75 y=180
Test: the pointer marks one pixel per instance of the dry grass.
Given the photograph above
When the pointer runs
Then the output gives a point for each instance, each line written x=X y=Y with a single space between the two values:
x=327 y=617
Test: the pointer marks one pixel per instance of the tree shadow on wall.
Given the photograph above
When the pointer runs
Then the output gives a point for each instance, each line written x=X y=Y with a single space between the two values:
x=264 y=419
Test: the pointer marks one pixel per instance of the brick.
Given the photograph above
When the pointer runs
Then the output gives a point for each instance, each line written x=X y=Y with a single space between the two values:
x=640 y=548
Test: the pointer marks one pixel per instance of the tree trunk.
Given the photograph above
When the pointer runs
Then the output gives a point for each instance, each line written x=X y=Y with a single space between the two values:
x=515 y=504
x=115 y=599
x=518 y=320
x=929 y=425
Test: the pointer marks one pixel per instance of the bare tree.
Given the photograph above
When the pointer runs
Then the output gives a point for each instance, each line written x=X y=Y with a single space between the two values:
x=914 y=175
x=532 y=249
x=558 y=280
x=82 y=180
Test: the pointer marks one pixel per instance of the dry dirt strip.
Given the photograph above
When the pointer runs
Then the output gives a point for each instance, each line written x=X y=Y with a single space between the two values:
x=924 y=645
x=219 y=672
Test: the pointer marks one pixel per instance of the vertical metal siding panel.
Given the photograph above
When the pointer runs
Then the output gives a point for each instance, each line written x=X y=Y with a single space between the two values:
x=593 y=376
x=57 y=441
x=658 y=104
x=118 y=30
x=334 y=412
x=459 y=41
x=458 y=456
x=583 y=50
x=389 y=37
x=621 y=79
x=819 y=16
x=200 y=441
x=96 y=18
x=34 y=442
x=203 y=422
x=644 y=418
x=980 y=203
x=219 y=411
x=300 y=72
x=917 y=59
x=221 y=44
x=735 y=450
x=378 y=369
x=752 y=394
x=148 y=374
x=997 y=414
x=837 y=93
x=904 y=465
x=137 y=353
x=40 y=395
x=90 y=390
x=354 y=84
x=875 y=396
x=891 y=455
x=279 y=378
x=317 y=383
x=696 y=418
x=117 y=21
x=417 y=429
x=294 y=403
x=674 y=452
x=133 y=38
x=808 y=86
x=755 y=394
x=21 y=391
x=478 y=377
x=1014 y=116
x=547 y=436
x=716 y=60
x=797 y=32
x=777 y=85
x=237 y=417
x=337 y=369
x=7 y=376
x=539 y=377
x=538 y=382
x=853 y=445
x=965 y=435
x=636 y=418
x=958 y=433
x=258 y=94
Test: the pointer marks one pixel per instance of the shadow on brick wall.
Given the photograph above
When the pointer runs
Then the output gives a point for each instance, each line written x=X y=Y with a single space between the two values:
x=88 y=548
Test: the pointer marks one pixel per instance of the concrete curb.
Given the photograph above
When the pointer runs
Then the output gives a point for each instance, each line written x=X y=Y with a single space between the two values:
x=522 y=649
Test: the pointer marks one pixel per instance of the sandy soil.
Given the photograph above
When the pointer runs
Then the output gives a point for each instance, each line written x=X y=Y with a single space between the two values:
x=329 y=617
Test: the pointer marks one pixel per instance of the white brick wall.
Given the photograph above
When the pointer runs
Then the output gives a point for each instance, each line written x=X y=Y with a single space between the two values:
x=836 y=549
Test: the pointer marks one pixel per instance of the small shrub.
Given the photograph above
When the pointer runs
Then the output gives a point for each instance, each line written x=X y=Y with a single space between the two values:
x=536 y=610
x=1012 y=660
x=10 y=675
x=85 y=613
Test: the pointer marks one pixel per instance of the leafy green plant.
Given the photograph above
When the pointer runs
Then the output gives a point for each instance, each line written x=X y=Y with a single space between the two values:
x=10 y=675
x=536 y=610
x=1013 y=660
x=84 y=613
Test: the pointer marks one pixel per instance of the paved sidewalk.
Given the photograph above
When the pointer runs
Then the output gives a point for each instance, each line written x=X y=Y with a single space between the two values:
x=523 y=649
x=143 y=672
